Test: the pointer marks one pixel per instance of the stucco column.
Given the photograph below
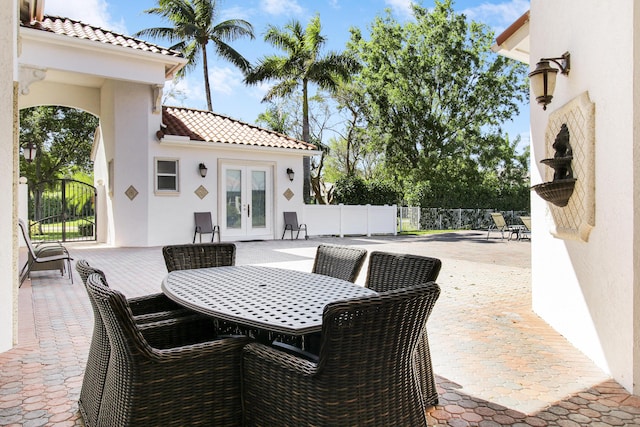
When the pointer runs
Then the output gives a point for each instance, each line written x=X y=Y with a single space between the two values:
x=8 y=176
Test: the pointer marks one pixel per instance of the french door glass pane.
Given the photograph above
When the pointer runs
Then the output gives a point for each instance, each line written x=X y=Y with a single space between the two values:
x=258 y=199
x=233 y=190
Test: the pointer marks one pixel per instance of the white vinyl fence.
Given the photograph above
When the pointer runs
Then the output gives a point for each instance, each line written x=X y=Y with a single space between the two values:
x=341 y=220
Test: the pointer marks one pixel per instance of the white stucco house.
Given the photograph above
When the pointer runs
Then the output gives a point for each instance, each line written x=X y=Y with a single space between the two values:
x=586 y=255
x=147 y=157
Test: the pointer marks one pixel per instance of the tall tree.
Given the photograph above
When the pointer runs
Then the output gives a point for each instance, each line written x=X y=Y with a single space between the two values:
x=301 y=65
x=436 y=96
x=63 y=138
x=193 y=28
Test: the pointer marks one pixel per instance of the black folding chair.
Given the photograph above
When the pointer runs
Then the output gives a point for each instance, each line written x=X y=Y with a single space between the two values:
x=291 y=223
x=204 y=225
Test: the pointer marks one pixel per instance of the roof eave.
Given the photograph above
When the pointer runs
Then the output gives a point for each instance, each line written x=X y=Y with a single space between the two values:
x=172 y=63
x=514 y=41
x=185 y=141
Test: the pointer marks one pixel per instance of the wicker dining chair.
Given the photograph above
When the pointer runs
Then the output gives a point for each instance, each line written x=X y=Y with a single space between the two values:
x=364 y=374
x=388 y=271
x=145 y=310
x=199 y=255
x=169 y=373
x=341 y=262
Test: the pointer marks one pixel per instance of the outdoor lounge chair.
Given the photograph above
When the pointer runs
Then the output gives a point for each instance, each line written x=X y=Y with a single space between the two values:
x=525 y=233
x=204 y=225
x=170 y=373
x=145 y=310
x=341 y=262
x=47 y=256
x=388 y=271
x=499 y=224
x=291 y=223
x=199 y=255
x=364 y=374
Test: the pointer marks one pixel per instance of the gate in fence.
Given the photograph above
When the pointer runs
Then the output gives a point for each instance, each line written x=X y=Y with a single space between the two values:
x=62 y=210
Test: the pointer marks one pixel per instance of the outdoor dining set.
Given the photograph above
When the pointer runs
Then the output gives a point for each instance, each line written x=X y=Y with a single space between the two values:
x=227 y=345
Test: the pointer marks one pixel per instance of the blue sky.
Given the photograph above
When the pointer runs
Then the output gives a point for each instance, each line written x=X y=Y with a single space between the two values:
x=230 y=96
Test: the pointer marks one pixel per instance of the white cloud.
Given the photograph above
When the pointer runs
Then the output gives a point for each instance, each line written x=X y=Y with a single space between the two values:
x=401 y=8
x=237 y=12
x=498 y=15
x=260 y=90
x=186 y=92
x=225 y=80
x=281 y=7
x=92 y=12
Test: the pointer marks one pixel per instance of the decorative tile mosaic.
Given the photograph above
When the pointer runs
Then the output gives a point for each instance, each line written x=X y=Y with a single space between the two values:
x=288 y=194
x=201 y=192
x=131 y=192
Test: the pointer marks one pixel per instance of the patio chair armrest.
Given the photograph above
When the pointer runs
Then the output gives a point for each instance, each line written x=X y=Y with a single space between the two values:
x=295 y=351
x=152 y=304
x=217 y=348
x=179 y=331
x=272 y=360
x=158 y=316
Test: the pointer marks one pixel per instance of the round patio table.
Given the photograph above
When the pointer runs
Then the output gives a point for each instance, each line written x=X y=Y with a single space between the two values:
x=272 y=299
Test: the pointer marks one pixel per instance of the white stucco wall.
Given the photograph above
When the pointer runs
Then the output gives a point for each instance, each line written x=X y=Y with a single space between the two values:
x=172 y=220
x=8 y=178
x=587 y=290
x=126 y=124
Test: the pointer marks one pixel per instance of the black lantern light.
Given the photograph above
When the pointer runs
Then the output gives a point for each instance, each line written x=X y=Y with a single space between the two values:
x=29 y=151
x=290 y=173
x=543 y=78
x=203 y=170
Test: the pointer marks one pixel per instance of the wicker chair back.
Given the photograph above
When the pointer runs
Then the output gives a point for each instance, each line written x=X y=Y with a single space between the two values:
x=364 y=375
x=388 y=271
x=199 y=255
x=341 y=262
x=170 y=373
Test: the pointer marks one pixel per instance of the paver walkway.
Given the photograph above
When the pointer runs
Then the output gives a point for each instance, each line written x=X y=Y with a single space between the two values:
x=496 y=362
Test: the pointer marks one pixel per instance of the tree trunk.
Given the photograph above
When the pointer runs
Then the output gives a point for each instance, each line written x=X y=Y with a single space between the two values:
x=306 y=161
x=205 y=67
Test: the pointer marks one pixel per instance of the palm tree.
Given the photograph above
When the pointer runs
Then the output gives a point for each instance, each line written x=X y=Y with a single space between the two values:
x=302 y=64
x=193 y=29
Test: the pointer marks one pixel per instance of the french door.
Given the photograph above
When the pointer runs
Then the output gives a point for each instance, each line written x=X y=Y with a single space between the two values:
x=247 y=205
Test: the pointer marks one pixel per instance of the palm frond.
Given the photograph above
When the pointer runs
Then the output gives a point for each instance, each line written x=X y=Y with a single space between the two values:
x=230 y=54
x=233 y=29
x=281 y=90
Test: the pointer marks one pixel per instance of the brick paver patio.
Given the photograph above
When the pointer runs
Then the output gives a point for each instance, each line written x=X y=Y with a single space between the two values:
x=496 y=362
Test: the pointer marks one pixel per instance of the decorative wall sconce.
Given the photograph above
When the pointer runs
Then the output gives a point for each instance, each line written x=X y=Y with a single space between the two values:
x=203 y=170
x=543 y=78
x=290 y=173
x=29 y=151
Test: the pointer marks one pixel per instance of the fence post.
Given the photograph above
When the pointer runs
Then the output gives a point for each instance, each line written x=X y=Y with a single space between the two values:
x=395 y=229
x=341 y=219
x=368 y=220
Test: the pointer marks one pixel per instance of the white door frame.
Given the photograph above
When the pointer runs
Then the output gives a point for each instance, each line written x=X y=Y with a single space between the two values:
x=242 y=220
